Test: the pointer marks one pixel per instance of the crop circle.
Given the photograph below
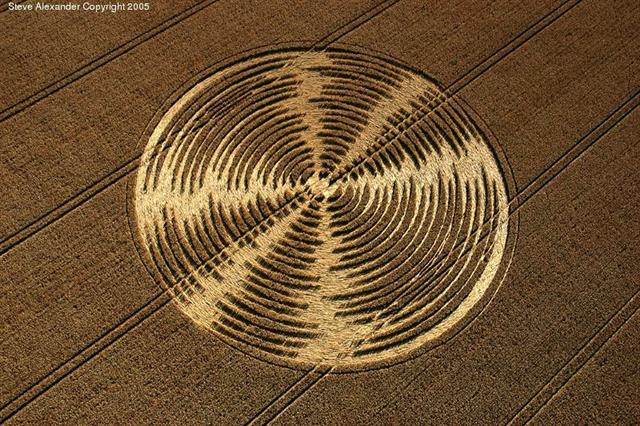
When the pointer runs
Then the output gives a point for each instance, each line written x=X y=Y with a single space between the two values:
x=327 y=208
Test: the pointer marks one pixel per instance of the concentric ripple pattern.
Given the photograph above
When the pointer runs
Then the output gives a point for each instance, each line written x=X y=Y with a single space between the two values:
x=322 y=208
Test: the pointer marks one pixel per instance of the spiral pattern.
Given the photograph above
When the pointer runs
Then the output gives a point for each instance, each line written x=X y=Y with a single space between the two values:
x=322 y=208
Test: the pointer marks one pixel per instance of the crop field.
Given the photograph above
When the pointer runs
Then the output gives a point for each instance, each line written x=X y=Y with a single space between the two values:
x=332 y=212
